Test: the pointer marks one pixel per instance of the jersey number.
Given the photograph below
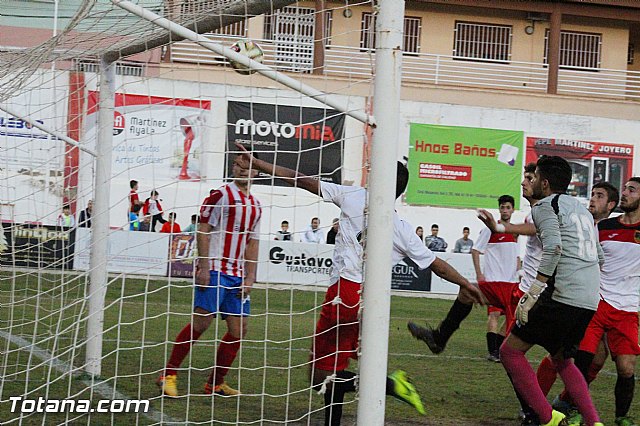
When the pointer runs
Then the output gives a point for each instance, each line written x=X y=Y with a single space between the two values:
x=586 y=236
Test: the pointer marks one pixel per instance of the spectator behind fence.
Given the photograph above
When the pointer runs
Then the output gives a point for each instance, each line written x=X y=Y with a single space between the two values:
x=133 y=195
x=433 y=242
x=331 y=235
x=313 y=234
x=145 y=224
x=170 y=226
x=153 y=208
x=85 y=216
x=420 y=233
x=283 y=233
x=464 y=244
x=193 y=226
x=134 y=218
x=66 y=219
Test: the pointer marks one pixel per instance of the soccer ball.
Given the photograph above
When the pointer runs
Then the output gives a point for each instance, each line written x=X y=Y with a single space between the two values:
x=249 y=49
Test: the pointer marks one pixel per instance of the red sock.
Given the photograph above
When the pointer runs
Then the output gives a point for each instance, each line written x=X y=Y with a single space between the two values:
x=524 y=381
x=546 y=375
x=181 y=348
x=227 y=351
x=577 y=388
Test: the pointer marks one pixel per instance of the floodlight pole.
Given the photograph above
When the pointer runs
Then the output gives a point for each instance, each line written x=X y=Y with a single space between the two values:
x=100 y=218
x=265 y=70
x=376 y=296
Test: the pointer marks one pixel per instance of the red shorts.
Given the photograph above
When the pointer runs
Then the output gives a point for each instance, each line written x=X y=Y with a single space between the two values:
x=502 y=297
x=621 y=328
x=338 y=329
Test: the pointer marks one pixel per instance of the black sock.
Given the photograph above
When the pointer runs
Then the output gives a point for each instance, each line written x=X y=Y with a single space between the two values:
x=624 y=394
x=583 y=360
x=499 y=339
x=334 y=397
x=458 y=312
x=491 y=342
x=528 y=411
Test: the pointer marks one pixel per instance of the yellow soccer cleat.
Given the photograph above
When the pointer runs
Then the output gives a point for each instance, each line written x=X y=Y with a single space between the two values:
x=168 y=385
x=222 y=389
x=557 y=419
x=404 y=390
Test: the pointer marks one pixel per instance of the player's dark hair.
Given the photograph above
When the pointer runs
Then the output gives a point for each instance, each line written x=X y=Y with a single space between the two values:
x=635 y=179
x=557 y=171
x=466 y=228
x=154 y=192
x=612 y=192
x=66 y=207
x=133 y=183
x=506 y=199
x=435 y=225
x=402 y=179
x=315 y=218
x=136 y=208
x=284 y=222
x=194 y=217
x=530 y=168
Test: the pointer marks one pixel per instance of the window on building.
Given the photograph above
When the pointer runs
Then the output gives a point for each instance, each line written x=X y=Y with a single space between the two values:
x=481 y=41
x=270 y=19
x=577 y=50
x=328 y=26
x=630 y=54
x=410 y=41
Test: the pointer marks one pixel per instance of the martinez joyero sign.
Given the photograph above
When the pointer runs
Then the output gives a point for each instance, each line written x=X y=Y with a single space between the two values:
x=463 y=166
x=305 y=139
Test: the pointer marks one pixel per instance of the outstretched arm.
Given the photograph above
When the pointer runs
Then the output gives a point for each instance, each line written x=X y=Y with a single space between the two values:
x=509 y=228
x=448 y=272
x=290 y=176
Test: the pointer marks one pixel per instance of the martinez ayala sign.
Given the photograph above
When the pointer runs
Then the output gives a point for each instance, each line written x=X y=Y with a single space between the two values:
x=305 y=139
x=463 y=166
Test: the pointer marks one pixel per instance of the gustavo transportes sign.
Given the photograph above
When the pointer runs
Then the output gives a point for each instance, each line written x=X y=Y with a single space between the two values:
x=463 y=166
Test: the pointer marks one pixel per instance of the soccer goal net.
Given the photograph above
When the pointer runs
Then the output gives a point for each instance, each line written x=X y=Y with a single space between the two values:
x=113 y=130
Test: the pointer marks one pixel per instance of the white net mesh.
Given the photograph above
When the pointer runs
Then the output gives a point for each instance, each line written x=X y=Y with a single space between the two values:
x=179 y=110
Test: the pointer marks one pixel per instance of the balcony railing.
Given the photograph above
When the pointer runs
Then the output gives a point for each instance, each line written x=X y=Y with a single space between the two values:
x=358 y=64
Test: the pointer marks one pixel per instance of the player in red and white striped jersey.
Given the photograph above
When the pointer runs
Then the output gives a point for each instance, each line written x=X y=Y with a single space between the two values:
x=227 y=242
x=617 y=313
x=498 y=280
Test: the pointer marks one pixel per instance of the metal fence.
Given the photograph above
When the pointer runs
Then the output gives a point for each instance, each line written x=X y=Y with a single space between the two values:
x=356 y=63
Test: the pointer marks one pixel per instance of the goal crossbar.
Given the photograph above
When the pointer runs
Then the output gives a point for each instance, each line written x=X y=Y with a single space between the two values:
x=265 y=70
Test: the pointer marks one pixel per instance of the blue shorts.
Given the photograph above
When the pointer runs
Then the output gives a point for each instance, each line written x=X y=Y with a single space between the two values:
x=221 y=297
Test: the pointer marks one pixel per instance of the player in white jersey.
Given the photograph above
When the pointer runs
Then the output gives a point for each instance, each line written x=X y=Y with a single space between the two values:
x=617 y=313
x=337 y=330
x=227 y=242
x=556 y=310
x=498 y=280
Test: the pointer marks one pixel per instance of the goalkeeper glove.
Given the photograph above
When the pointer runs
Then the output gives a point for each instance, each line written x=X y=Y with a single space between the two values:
x=528 y=300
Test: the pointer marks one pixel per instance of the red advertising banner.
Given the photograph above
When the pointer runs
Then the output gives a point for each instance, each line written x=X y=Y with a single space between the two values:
x=591 y=162
x=445 y=171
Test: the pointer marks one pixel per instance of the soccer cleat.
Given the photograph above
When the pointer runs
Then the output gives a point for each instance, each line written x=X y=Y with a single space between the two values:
x=562 y=406
x=404 y=390
x=625 y=421
x=574 y=418
x=168 y=385
x=528 y=419
x=426 y=334
x=222 y=389
x=557 y=419
x=493 y=357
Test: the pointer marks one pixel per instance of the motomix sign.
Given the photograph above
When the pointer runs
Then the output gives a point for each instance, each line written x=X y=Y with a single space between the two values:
x=305 y=139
